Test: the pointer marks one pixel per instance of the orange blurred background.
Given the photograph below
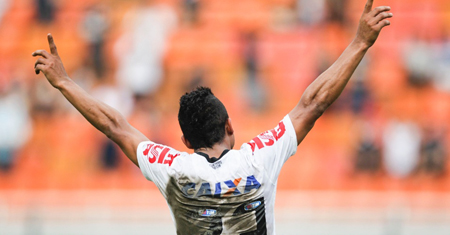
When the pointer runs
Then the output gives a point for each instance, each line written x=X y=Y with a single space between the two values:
x=383 y=141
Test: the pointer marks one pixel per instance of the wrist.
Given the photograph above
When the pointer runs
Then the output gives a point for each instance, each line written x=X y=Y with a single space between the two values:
x=62 y=84
x=360 y=44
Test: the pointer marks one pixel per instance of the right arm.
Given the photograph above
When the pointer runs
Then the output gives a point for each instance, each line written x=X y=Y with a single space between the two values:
x=323 y=91
x=103 y=117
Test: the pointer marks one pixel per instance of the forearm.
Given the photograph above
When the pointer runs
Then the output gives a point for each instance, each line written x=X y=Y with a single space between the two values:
x=323 y=91
x=103 y=117
x=329 y=85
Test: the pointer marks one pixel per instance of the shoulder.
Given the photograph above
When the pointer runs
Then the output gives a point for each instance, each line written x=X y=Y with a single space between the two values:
x=284 y=131
x=154 y=153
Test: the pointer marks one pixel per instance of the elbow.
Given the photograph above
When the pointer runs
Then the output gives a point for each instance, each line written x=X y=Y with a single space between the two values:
x=109 y=133
x=117 y=129
x=317 y=109
x=317 y=105
x=112 y=128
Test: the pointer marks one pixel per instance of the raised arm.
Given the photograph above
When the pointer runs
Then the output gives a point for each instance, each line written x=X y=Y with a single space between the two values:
x=323 y=91
x=103 y=117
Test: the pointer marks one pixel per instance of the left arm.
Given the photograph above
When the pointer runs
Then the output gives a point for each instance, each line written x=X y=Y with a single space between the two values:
x=323 y=91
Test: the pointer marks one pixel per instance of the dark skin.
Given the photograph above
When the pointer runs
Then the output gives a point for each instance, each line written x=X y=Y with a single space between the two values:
x=323 y=91
x=103 y=117
x=319 y=95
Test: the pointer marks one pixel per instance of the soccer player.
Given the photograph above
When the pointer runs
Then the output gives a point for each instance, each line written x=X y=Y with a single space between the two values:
x=218 y=190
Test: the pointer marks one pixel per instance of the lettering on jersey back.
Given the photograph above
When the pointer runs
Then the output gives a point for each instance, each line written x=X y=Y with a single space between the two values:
x=159 y=152
x=252 y=183
x=205 y=190
x=235 y=188
x=268 y=138
x=232 y=187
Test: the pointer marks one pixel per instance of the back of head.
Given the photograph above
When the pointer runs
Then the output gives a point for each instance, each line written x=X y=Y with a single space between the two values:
x=202 y=118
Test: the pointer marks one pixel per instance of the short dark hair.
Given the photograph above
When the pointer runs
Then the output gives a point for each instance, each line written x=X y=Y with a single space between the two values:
x=202 y=118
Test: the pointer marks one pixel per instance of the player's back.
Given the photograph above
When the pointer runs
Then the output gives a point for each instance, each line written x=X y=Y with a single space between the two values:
x=217 y=197
x=233 y=194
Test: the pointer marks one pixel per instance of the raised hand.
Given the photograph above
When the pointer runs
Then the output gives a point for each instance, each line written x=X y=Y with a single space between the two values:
x=371 y=23
x=50 y=64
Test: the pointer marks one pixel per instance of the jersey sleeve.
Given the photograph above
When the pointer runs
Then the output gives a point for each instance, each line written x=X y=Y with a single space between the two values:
x=273 y=148
x=155 y=161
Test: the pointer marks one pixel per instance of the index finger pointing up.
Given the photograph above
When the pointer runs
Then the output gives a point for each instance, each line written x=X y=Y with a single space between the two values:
x=52 y=45
x=368 y=6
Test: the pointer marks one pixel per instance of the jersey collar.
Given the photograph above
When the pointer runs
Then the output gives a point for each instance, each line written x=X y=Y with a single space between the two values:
x=213 y=159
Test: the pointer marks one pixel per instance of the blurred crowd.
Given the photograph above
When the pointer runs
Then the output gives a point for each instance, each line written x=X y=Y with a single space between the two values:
x=258 y=56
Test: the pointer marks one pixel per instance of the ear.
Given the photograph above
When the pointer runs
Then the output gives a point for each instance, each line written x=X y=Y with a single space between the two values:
x=228 y=127
x=186 y=142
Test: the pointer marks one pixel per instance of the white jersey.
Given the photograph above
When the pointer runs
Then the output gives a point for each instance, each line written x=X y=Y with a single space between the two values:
x=234 y=194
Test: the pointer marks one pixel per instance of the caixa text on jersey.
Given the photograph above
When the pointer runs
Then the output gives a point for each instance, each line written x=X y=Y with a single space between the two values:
x=233 y=188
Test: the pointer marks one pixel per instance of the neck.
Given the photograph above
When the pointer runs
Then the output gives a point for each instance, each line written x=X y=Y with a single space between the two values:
x=215 y=151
